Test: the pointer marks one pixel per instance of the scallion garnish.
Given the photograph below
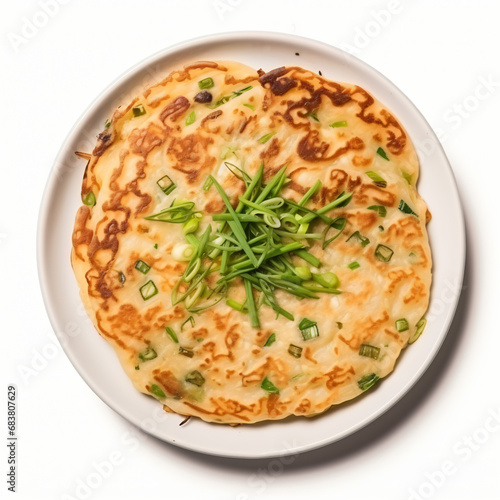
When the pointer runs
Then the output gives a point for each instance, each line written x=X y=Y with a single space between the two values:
x=269 y=387
x=367 y=381
x=340 y=325
x=309 y=329
x=406 y=176
x=157 y=391
x=142 y=267
x=89 y=199
x=121 y=277
x=138 y=110
x=295 y=350
x=183 y=252
x=186 y=352
x=369 y=350
x=266 y=137
x=176 y=214
x=206 y=83
x=383 y=154
x=341 y=123
x=380 y=209
x=377 y=179
x=419 y=328
x=166 y=184
x=148 y=354
x=358 y=237
x=354 y=265
x=227 y=98
x=337 y=225
x=250 y=106
x=313 y=115
x=188 y=320
x=237 y=306
x=270 y=340
x=195 y=377
x=406 y=209
x=191 y=118
x=402 y=325
x=383 y=253
x=171 y=333
x=328 y=280
x=148 y=290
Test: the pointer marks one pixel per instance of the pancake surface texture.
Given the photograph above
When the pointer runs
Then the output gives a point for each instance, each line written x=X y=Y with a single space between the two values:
x=221 y=119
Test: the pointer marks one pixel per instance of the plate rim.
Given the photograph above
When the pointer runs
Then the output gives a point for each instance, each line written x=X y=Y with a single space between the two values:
x=106 y=93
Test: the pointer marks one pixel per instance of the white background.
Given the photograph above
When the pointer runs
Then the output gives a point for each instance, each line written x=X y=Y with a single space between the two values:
x=440 y=441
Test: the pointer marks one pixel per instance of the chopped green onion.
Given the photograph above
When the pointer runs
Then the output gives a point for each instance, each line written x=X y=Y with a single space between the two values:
x=383 y=154
x=191 y=118
x=148 y=290
x=420 y=326
x=295 y=350
x=250 y=106
x=406 y=176
x=405 y=208
x=313 y=260
x=340 y=325
x=380 y=209
x=363 y=241
x=354 y=265
x=176 y=214
x=107 y=124
x=266 y=137
x=237 y=306
x=138 y=110
x=377 y=180
x=338 y=224
x=341 y=123
x=313 y=115
x=155 y=246
x=383 y=253
x=191 y=226
x=270 y=340
x=189 y=320
x=381 y=228
x=171 y=333
x=367 y=381
x=208 y=183
x=227 y=98
x=303 y=272
x=252 y=310
x=121 y=277
x=328 y=280
x=89 y=199
x=269 y=387
x=166 y=184
x=195 y=377
x=206 y=83
x=186 y=352
x=142 y=267
x=341 y=201
x=183 y=252
x=156 y=390
x=309 y=329
x=402 y=325
x=369 y=351
x=148 y=354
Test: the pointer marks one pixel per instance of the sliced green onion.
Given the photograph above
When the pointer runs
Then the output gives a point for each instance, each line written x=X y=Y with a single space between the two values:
x=313 y=115
x=341 y=201
x=156 y=390
x=166 y=184
x=171 y=333
x=295 y=350
x=328 y=280
x=269 y=387
x=383 y=154
x=155 y=246
x=419 y=328
x=208 y=183
x=206 y=83
x=148 y=354
x=338 y=225
x=186 y=352
x=252 y=310
x=142 y=267
x=402 y=325
x=191 y=226
x=303 y=272
x=237 y=306
x=340 y=325
x=183 y=252
x=227 y=98
x=270 y=340
x=367 y=381
x=369 y=350
x=250 y=106
x=380 y=209
x=406 y=176
x=266 y=137
x=121 y=277
x=176 y=214
x=89 y=199
x=406 y=209
x=308 y=257
x=195 y=377
x=383 y=253
x=309 y=329
x=188 y=320
x=191 y=118
x=354 y=265
x=148 y=290
x=358 y=237
x=107 y=124
x=138 y=110
x=377 y=180
x=341 y=123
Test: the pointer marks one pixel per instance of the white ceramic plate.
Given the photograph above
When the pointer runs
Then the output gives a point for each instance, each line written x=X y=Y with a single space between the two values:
x=94 y=358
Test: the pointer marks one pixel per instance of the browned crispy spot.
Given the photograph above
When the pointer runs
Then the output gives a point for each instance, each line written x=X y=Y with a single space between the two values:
x=304 y=407
x=312 y=148
x=169 y=383
x=82 y=235
x=142 y=141
x=174 y=109
x=364 y=330
x=338 y=375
